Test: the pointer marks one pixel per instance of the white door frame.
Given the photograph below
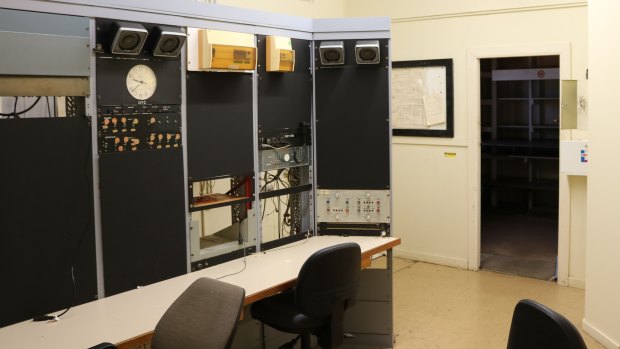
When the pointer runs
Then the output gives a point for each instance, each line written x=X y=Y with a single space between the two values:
x=563 y=49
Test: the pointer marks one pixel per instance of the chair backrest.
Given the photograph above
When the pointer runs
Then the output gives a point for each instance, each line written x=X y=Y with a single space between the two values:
x=204 y=316
x=536 y=326
x=330 y=276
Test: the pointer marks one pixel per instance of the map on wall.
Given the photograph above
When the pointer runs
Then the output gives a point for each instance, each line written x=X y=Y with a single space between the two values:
x=419 y=98
x=422 y=98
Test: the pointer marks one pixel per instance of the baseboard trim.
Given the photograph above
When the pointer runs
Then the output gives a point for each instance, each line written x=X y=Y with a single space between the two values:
x=576 y=283
x=599 y=336
x=431 y=258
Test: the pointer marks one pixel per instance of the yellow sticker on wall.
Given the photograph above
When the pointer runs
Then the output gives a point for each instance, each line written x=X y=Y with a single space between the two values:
x=449 y=155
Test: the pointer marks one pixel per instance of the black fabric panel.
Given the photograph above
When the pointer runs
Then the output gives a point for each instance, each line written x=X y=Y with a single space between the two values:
x=143 y=218
x=46 y=216
x=352 y=130
x=219 y=124
x=284 y=99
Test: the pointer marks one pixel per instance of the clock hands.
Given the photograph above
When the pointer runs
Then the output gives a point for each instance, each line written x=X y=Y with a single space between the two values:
x=136 y=80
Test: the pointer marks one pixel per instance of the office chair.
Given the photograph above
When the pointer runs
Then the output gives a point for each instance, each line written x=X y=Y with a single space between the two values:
x=204 y=316
x=534 y=326
x=326 y=287
x=104 y=345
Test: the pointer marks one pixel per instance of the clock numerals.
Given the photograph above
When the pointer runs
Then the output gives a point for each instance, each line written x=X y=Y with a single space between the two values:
x=141 y=82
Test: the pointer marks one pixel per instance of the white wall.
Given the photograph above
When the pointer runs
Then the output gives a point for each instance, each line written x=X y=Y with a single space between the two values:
x=430 y=203
x=304 y=8
x=603 y=240
x=578 y=199
x=412 y=9
x=433 y=194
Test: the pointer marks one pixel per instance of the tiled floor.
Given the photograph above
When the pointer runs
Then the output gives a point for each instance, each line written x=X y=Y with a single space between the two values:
x=442 y=307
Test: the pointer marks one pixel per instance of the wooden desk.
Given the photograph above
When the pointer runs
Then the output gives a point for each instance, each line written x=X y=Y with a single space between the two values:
x=135 y=313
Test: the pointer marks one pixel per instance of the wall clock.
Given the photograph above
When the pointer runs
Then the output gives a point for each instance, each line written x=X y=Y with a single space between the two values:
x=141 y=82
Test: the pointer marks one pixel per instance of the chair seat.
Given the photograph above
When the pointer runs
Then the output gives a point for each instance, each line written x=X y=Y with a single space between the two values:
x=280 y=312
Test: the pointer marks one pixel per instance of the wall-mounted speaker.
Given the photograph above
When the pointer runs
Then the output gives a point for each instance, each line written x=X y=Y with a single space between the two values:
x=332 y=52
x=128 y=39
x=169 y=41
x=367 y=52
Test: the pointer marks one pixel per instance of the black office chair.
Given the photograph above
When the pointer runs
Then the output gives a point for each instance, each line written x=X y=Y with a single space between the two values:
x=534 y=326
x=104 y=345
x=326 y=287
x=204 y=316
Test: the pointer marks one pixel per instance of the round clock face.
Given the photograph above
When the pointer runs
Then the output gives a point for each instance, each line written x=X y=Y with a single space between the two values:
x=141 y=82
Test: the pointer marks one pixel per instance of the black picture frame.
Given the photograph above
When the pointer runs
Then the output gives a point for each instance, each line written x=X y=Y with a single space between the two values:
x=448 y=130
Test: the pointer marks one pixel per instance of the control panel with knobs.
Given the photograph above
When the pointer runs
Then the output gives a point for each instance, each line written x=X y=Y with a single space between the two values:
x=122 y=128
x=353 y=206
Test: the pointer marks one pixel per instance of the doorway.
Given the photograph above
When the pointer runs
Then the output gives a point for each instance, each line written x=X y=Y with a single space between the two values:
x=520 y=112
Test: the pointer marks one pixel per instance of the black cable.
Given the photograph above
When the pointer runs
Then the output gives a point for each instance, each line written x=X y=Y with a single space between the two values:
x=49 y=111
x=245 y=265
x=231 y=274
x=80 y=243
x=7 y=115
x=272 y=179
x=74 y=287
x=15 y=113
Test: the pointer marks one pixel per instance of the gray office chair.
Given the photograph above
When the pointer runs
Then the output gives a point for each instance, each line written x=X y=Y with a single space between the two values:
x=204 y=316
x=326 y=287
x=534 y=326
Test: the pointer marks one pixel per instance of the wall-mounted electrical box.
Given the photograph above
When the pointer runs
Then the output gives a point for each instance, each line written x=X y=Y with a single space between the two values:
x=574 y=158
x=280 y=54
x=221 y=50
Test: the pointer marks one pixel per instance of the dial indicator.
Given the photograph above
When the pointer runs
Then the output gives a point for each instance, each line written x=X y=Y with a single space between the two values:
x=141 y=82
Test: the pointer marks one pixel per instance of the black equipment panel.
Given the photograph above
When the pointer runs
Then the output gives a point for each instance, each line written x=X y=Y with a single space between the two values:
x=141 y=166
x=219 y=125
x=46 y=215
x=284 y=99
x=352 y=129
x=143 y=210
x=112 y=77
x=125 y=123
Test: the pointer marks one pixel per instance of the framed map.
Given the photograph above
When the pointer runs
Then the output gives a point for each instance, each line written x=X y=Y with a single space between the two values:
x=422 y=98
